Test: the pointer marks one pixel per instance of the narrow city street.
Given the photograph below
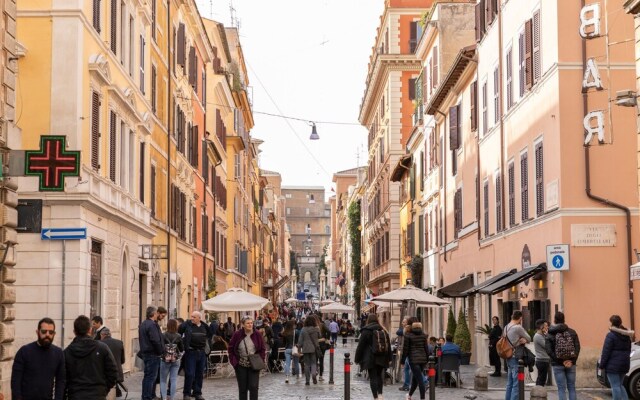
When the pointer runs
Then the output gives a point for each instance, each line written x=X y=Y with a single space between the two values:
x=272 y=386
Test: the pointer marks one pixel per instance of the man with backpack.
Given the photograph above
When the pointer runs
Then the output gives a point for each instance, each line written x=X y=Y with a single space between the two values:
x=374 y=353
x=563 y=346
x=516 y=336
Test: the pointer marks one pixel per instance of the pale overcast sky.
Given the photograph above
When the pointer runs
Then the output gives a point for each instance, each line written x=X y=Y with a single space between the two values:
x=306 y=59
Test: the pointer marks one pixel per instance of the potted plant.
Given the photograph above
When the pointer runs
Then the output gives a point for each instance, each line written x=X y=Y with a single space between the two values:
x=462 y=338
x=451 y=323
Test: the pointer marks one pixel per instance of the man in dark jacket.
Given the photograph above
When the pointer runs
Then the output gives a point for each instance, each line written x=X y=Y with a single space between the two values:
x=494 y=336
x=151 y=349
x=38 y=371
x=563 y=347
x=91 y=369
x=371 y=359
x=97 y=325
x=117 y=351
x=196 y=335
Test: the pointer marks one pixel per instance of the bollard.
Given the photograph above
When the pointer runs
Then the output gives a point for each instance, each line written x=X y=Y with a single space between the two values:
x=432 y=378
x=520 y=379
x=481 y=380
x=331 y=351
x=347 y=377
x=439 y=375
x=538 y=393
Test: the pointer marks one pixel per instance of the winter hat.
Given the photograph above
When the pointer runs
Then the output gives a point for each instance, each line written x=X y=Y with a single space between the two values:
x=416 y=325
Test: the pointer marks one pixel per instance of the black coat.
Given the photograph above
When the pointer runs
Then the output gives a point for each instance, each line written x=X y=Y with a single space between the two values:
x=117 y=351
x=494 y=335
x=91 y=369
x=615 y=351
x=415 y=347
x=364 y=352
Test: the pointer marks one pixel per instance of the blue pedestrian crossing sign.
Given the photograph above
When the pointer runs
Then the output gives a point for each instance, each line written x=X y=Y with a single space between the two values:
x=558 y=257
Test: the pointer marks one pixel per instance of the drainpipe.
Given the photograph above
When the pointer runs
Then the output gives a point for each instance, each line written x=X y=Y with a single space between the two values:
x=169 y=109
x=502 y=145
x=604 y=201
x=444 y=185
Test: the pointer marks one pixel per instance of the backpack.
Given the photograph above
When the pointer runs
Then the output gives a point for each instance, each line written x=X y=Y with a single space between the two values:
x=228 y=329
x=171 y=352
x=565 y=348
x=380 y=342
x=504 y=348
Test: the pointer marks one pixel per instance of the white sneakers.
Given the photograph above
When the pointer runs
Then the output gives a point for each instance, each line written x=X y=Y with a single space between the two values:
x=408 y=397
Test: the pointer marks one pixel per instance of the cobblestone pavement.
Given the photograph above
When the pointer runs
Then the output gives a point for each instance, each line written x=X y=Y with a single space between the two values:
x=272 y=386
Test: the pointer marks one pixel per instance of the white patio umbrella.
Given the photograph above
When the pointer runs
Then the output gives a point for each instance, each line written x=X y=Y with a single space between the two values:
x=327 y=301
x=235 y=299
x=411 y=293
x=291 y=300
x=337 y=308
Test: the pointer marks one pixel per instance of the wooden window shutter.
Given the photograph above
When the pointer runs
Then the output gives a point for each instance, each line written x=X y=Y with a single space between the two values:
x=154 y=100
x=453 y=128
x=434 y=70
x=512 y=195
x=539 y=180
x=189 y=138
x=152 y=190
x=524 y=186
x=196 y=147
x=112 y=146
x=479 y=20
x=153 y=19
x=421 y=171
x=192 y=66
x=142 y=62
x=486 y=208
x=142 y=163
x=498 y=203
x=509 y=67
x=536 y=47
x=95 y=131
x=181 y=45
x=527 y=54
x=496 y=95
x=114 y=26
x=205 y=161
x=413 y=39
x=488 y=12
x=425 y=85
x=412 y=89
x=521 y=63
x=474 y=105
x=96 y=15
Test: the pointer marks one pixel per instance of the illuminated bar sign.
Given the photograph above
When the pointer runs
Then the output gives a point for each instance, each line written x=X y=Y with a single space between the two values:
x=52 y=163
x=590 y=29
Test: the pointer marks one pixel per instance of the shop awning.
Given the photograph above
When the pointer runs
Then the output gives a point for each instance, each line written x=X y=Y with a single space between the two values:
x=456 y=288
x=403 y=165
x=283 y=281
x=513 y=279
x=488 y=282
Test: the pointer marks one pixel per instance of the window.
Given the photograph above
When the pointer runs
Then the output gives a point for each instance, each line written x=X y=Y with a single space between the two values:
x=528 y=26
x=236 y=160
x=413 y=36
x=434 y=67
x=539 y=179
x=193 y=225
x=153 y=19
x=132 y=35
x=123 y=32
x=96 y=15
x=205 y=233
x=480 y=20
x=113 y=120
x=180 y=56
x=496 y=95
x=524 y=186
x=123 y=153
x=95 y=290
x=485 y=117
x=486 y=208
x=95 y=131
x=512 y=195
x=454 y=136
x=142 y=44
x=154 y=100
x=537 y=67
x=114 y=26
x=152 y=190
x=521 y=63
x=193 y=68
x=306 y=211
x=287 y=196
x=412 y=89
x=473 y=94
x=457 y=213
x=499 y=225
x=132 y=159
x=327 y=230
x=288 y=211
x=509 y=66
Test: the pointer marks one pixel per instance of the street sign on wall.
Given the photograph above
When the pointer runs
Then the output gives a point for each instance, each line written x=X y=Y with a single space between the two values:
x=558 y=257
x=63 y=233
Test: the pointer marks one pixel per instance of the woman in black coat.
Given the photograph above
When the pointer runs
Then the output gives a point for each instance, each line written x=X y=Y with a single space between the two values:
x=374 y=363
x=415 y=348
x=615 y=356
x=494 y=336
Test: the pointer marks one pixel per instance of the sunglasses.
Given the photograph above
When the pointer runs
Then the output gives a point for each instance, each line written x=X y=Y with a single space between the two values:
x=49 y=331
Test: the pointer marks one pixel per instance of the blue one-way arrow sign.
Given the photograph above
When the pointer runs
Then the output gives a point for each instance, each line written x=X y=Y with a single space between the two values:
x=63 y=233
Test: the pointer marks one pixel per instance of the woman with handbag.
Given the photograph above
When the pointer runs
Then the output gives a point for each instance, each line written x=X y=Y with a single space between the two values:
x=308 y=345
x=615 y=359
x=246 y=355
x=288 y=336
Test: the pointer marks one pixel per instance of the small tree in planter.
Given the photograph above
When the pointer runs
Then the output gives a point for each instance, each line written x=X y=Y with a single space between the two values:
x=451 y=323
x=463 y=337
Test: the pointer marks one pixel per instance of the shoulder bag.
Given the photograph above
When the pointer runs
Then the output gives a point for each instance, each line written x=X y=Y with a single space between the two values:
x=504 y=347
x=257 y=363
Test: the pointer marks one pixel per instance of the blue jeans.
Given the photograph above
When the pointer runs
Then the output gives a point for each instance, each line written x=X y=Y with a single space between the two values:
x=617 y=390
x=170 y=369
x=512 y=389
x=151 y=368
x=566 y=381
x=287 y=362
x=194 y=363
x=407 y=374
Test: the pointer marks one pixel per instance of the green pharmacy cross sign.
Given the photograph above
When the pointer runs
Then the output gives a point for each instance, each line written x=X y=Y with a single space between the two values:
x=52 y=163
